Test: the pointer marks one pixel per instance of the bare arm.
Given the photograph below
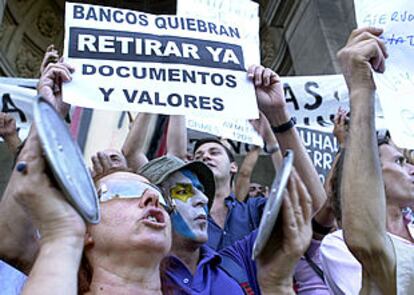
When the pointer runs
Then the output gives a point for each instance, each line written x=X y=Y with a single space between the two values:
x=133 y=148
x=272 y=144
x=271 y=101
x=362 y=188
x=19 y=243
x=177 y=137
x=326 y=217
x=245 y=173
x=8 y=132
x=61 y=229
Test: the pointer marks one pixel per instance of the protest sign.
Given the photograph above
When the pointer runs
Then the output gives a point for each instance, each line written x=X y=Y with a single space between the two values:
x=395 y=87
x=128 y=60
x=17 y=101
x=321 y=147
x=239 y=130
x=312 y=100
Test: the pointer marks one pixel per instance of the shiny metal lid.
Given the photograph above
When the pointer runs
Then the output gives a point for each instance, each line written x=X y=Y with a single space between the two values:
x=273 y=204
x=65 y=161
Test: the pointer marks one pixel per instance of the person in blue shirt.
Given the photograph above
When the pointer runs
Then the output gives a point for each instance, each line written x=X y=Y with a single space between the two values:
x=229 y=219
x=192 y=267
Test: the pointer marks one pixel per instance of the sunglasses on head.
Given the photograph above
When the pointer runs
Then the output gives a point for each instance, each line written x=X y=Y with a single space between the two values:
x=127 y=190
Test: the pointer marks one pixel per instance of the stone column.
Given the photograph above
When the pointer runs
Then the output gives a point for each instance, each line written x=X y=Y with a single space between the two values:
x=302 y=37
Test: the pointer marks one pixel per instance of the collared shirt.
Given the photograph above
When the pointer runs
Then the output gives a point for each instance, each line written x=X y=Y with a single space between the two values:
x=210 y=276
x=242 y=218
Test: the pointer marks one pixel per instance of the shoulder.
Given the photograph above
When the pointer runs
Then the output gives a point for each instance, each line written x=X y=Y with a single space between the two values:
x=257 y=202
x=333 y=247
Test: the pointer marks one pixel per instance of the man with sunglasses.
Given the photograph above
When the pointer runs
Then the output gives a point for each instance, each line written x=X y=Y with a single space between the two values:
x=377 y=182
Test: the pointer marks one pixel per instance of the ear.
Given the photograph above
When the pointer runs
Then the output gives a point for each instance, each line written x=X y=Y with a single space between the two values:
x=88 y=240
x=234 y=167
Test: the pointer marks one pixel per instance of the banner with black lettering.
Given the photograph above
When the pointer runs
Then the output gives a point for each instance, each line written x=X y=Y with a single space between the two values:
x=170 y=64
x=395 y=86
x=17 y=101
x=312 y=100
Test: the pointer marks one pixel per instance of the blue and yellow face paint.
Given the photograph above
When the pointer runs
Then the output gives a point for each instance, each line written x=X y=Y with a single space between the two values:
x=182 y=193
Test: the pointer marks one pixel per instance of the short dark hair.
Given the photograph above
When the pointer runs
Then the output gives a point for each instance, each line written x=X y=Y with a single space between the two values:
x=202 y=141
x=383 y=136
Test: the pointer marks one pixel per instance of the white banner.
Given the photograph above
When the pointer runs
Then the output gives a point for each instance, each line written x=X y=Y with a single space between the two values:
x=128 y=60
x=238 y=130
x=18 y=102
x=312 y=100
x=395 y=87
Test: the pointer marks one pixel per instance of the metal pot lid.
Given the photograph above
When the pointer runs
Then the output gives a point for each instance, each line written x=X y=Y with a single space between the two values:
x=273 y=204
x=66 y=161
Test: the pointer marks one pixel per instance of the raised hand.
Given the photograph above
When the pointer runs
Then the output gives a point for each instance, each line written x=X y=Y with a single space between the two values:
x=289 y=240
x=53 y=74
x=341 y=121
x=7 y=126
x=50 y=212
x=364 y=52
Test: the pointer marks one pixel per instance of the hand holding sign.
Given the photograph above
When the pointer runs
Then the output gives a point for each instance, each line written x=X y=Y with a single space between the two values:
x=51 y=56
x=269 y=92
x=50 y=83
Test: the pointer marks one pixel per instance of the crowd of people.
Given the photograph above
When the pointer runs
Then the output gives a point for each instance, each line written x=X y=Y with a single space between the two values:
x=186 y=222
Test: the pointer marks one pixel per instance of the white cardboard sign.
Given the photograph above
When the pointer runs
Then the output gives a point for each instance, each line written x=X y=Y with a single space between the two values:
x=395 y=87
x=170 y=64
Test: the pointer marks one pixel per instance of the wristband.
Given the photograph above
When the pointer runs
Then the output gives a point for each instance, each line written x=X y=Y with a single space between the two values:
x=285 y=126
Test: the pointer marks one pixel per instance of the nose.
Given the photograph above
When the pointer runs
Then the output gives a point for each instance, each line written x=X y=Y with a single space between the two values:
x=205 y=157
x=200 y=199
x=410 y=168
x=149 y=198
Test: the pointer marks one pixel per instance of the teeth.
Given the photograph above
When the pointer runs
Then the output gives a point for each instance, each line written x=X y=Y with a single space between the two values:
x=152 y=218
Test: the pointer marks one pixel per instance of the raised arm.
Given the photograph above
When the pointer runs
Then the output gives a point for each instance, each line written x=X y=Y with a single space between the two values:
x=362 y=188
x=19 y=245
x=177 y=137
x=61 y=229
x=8 y=132
x=271 y=101
x=324 y=220
x=133 y=148
x=245 y=173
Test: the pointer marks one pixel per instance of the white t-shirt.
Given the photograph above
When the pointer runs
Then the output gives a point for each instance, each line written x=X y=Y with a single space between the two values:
x=343 y=272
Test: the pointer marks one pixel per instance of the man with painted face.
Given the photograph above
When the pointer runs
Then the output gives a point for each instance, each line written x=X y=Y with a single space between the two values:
x=230 y=220
x=195 y=268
